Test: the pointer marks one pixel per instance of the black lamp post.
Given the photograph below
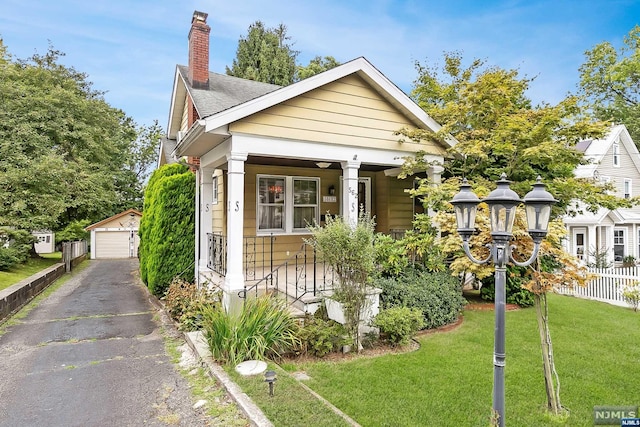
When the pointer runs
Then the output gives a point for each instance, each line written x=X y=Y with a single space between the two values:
x=502 y=204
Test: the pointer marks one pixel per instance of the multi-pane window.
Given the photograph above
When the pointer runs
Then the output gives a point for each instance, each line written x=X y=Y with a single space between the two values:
x=618 y=244
x=287 y=204
x=616 y=154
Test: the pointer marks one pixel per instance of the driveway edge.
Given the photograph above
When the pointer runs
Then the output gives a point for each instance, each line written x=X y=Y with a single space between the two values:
x=197 y=343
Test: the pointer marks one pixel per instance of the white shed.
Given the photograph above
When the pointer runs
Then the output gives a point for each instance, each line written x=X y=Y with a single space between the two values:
x=116 y=236
x=45 y=242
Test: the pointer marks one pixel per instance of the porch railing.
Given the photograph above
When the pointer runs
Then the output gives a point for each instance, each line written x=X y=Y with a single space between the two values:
x=217 y=254
x=303 y=274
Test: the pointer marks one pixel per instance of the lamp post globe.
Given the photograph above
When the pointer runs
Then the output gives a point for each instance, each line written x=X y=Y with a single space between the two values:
x=538 y=203
x=465 y=205
x=502 y=204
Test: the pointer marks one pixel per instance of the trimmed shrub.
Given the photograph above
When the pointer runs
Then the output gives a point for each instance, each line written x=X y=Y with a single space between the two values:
x=399 y=324
x=515 y=293
x=167 y=228
x=437 y=295
x=320 y=337
x=15 y=247
x=152 y=212
x=263 y=329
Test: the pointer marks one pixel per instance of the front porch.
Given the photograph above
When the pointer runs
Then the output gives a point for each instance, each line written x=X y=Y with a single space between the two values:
x=301 y=276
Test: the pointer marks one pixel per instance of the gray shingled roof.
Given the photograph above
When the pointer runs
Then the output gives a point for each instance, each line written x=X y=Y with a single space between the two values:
x=224 y=92
x=583 y=145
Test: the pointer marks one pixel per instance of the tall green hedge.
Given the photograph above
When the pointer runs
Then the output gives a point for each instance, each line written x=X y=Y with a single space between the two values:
x=167 y=228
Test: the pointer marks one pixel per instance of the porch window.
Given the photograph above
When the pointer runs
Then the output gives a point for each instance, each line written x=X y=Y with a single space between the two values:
x=305 y=202
x=286 y=203
x=271 y=196
x=618 y=244
x=616 y=154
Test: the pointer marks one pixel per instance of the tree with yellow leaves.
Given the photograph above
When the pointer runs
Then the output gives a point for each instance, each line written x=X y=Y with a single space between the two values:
x=498 y=130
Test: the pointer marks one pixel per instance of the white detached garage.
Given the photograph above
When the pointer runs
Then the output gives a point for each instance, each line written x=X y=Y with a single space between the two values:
x=117 y=236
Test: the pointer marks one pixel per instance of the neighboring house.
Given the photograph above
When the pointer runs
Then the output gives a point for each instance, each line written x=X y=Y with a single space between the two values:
x=45 y=242
x=116 y=236
x=614 y=234
x=270 y=160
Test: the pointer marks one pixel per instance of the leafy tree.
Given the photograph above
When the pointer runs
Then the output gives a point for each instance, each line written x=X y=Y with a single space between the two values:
x=610 y=79
x=65 y=154
x=265 y=55
x=138 y=166
x=316 y=66
x=75 y=230
x=499 y=130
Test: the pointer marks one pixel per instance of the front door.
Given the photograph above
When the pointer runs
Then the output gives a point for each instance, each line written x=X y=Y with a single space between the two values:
x=579 y=243
x=364 y=194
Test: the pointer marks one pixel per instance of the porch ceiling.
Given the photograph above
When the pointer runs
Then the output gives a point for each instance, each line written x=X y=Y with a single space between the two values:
x=277 y=161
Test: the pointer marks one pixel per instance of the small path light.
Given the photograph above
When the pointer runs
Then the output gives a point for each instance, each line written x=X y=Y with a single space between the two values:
x=270 y=377
x=502 y=204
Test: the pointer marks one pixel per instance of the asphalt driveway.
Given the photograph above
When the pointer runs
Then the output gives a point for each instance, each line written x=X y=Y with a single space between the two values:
x=92 y=354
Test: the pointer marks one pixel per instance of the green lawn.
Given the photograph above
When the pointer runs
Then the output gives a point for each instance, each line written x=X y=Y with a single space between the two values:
x=448 y=381
x=34 y=265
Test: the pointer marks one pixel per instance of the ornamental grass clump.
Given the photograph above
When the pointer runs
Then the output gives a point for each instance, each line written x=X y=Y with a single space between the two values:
x=263 y=329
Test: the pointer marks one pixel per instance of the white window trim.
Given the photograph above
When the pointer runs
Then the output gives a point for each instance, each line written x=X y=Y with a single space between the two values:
x=214 y=190
x=623 y=244
x=288 y=205
x=584 y=254
x=624 y=192
x=616 y=154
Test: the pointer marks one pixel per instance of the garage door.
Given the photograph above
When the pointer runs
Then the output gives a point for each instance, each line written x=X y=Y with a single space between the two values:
x=115 y=244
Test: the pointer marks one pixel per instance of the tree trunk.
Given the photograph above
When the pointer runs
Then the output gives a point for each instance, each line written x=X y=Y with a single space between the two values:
x=551 y=379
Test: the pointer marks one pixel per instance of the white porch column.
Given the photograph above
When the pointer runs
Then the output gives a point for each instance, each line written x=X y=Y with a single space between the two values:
x=234 y=278
x=206 y=218
x=350 y=191
x=435 y=174
x=591 y=246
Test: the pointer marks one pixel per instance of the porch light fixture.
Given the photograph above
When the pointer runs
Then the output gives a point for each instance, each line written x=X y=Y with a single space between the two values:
x=502 y=204
x=270 y=377
x=323 y=165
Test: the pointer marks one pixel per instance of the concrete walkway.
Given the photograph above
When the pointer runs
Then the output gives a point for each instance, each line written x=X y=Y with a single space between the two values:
x=92 y=354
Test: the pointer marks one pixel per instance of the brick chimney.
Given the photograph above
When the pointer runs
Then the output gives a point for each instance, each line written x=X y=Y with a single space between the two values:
x=199 y=51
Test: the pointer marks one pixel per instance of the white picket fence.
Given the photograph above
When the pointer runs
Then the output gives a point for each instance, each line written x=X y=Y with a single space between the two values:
x=607 y=287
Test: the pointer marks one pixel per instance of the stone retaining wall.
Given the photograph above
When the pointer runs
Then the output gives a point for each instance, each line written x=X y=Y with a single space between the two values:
x=15 y=296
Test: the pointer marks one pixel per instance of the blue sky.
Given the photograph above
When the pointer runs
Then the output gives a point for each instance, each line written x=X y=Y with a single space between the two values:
x=129 y=48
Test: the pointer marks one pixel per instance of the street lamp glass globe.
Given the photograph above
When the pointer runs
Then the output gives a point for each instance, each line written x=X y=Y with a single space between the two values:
x=465 y=204
x=502 y=204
